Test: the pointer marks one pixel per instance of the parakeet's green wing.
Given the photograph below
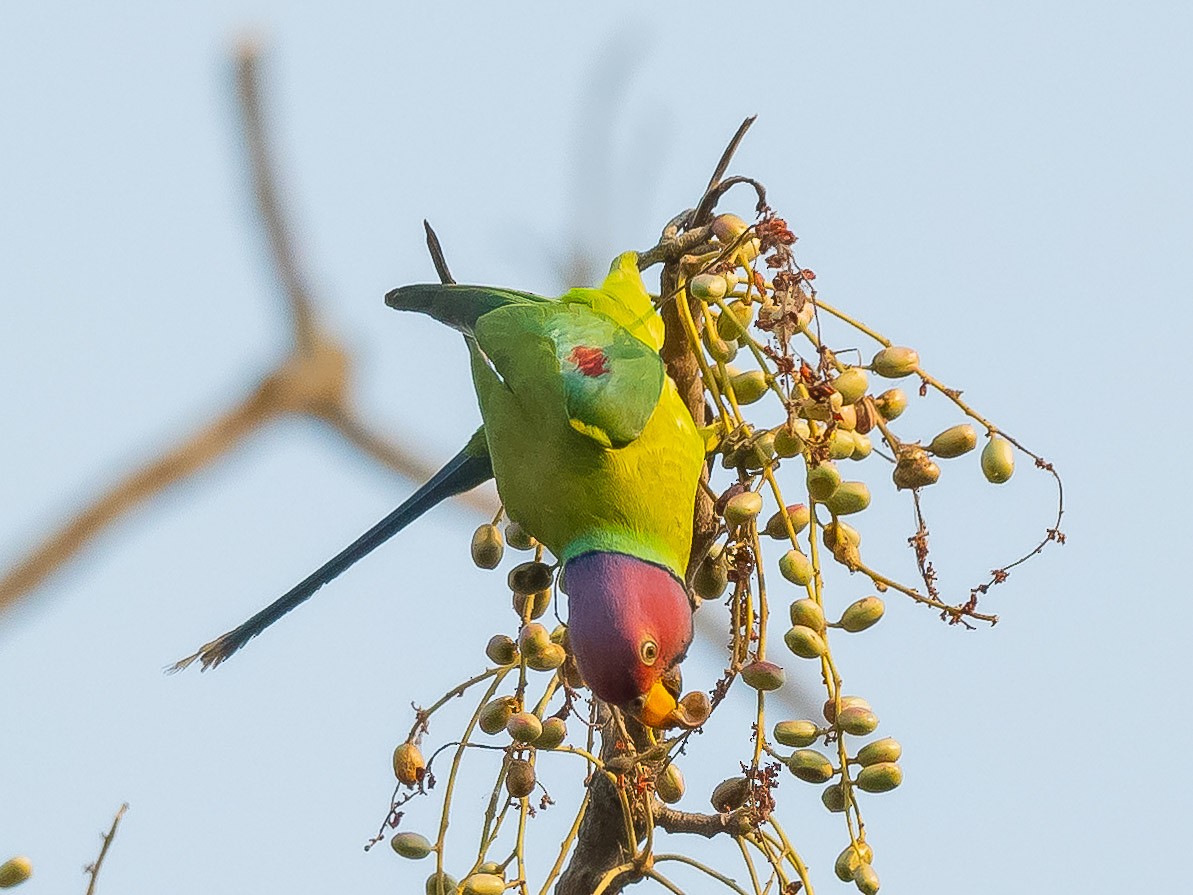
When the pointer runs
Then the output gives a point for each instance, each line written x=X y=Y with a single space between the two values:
x=457 y=306
x=609 y=381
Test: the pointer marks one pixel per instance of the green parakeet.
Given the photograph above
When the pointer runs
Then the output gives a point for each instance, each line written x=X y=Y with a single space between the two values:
x=594 y=453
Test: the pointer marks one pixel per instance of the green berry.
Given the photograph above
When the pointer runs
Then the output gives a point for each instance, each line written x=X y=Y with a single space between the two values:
x=865 y=879
x=524 y=727
x=891 y=403
x=857 y=721
x=484 y=884
x=885 y=750
x=763 y=675
x=799 y=515
x=895 y=363
x=501 y=650
x=797 y=733
x=998 y=460
x=954 y=442
x=742 y=507
x=519 y=538
x=823 y=481
x=833 y=798
x=851 y=384
x=712 y=577
x=788 y=442
x=555 y=730
x=807 y=612
x=707 y=287
x=850 y=497
x=795 y=567
x=15 y=871
x=731 y=794
x=495 y=715
x=411 y=845
x=749 y=386
x=881 y=777
x=848 y=861
x=805 y=642
x=441 y=884
x=529 y=578
x=669 y=784
x=487 y=548
x=862 y=614
x=810 y=766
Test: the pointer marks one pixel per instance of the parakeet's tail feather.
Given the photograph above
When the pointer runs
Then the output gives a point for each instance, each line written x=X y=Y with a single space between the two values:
x=463 y=472
x=457 y=306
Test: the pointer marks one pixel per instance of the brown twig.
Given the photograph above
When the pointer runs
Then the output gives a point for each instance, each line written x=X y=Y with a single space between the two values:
x=93 y=869
x=313 y=381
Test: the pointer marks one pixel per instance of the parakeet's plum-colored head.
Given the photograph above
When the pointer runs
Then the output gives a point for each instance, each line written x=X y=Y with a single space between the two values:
x=629 y=622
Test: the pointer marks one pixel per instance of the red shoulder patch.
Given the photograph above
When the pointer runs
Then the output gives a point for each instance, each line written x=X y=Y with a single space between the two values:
x=589 y=360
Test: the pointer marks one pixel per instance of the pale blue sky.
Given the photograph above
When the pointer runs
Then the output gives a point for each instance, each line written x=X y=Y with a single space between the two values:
x=1005 y=186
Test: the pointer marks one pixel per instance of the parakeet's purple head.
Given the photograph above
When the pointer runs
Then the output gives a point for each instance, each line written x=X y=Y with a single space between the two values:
x=629 y=621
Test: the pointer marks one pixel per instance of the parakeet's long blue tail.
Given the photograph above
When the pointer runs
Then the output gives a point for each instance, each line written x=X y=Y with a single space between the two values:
x=463 y=472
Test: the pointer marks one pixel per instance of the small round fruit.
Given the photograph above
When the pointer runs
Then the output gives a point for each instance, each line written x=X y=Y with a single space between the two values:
x=519 y=538
x=840 y=444
x=530 y=577
x=857 y=721
x=998 y=460
x=823 y=481
x=798 y=513
x=742 y=507
x=524 y=727
x=915 y=469
x=763 y=675
x=866 y=879
x=730 y=794
x=669 y=784
x=539 y=603
x=502 y=650
x=954 y=442
x=441 y=884
x=533 y=639
x=733 y=324
x=555 y=730
x=728 y=227
x=885 y=750
x=519 y=778
x=805 y=643
x=547 y=659
x=851 y=384
x=487 y=548
x=895 y=362
x=749 y=386
x=881 y=777
x=411 y=845
x=850 y=497
x=891 y=403
x=760 y=450
x=833 y=797
x=810 y=766
x=849 y=860
x=838 y=533
x=830 y=706
x=15 y=871
x=807 y=612
x=484 y=884
x=862 y=446
x=712 y=577
x=495 y=715
x=797 y=733
x=795 y=567
x=862 y=614
x=409 y=765
x=707 y=287
x=788 y=442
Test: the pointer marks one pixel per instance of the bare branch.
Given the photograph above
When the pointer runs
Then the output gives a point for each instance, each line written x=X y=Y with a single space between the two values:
x=93 y=869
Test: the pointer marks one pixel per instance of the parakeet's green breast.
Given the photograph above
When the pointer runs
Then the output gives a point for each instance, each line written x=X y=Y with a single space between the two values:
x=591 y=445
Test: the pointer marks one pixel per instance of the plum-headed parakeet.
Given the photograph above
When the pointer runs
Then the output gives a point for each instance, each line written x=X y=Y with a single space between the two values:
x=593 y=452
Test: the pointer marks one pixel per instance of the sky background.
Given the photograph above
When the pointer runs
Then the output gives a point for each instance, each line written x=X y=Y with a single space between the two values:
x=1004 y=186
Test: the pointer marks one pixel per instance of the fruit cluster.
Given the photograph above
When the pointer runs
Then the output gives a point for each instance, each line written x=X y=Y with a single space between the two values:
x=831 y=416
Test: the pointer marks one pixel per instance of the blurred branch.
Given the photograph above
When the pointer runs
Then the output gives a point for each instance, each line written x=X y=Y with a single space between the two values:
x=313 y=381
x=93 y=869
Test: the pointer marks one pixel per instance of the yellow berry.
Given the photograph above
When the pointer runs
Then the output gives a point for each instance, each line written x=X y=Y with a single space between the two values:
x=998 y=460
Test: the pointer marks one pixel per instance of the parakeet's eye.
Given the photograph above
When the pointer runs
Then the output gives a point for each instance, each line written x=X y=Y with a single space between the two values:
x=649 y=651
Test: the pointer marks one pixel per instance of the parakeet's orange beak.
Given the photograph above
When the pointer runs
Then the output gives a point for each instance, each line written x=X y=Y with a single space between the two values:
x=658 y=707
